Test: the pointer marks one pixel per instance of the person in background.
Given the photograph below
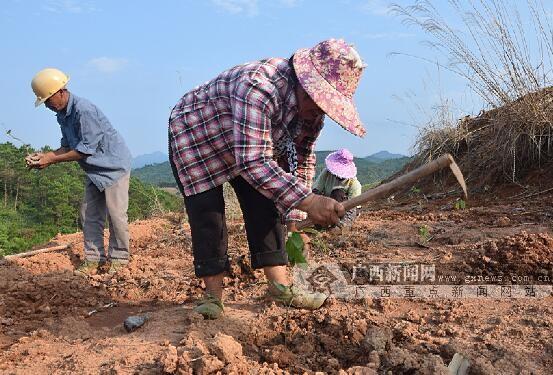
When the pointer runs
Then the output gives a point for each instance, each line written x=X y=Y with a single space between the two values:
x=338 y=181
x=89 y=139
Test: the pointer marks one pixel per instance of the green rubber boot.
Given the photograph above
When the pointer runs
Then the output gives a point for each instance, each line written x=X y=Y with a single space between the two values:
x=297 y=297
x=210 y=307
x=88 y=267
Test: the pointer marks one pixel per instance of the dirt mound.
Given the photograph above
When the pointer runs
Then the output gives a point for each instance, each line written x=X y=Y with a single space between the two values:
x=33 y=294
x=528 y=254
x=499 y=146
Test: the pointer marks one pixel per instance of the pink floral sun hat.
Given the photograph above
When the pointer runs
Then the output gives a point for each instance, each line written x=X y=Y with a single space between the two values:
x=330 y=73
x=340 y=163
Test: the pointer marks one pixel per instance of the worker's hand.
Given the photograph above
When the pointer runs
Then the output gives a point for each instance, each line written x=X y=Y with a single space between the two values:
x=322 y=210
x=31 y=159
x=39 y=160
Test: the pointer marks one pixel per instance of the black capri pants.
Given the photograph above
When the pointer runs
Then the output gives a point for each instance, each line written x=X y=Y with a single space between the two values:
x=265 y=229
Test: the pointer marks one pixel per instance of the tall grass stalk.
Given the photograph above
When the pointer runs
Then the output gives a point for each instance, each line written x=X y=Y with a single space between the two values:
x=504 y=49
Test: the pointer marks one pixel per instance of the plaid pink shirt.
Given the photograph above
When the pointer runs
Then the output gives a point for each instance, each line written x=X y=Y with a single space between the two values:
x=227 y=127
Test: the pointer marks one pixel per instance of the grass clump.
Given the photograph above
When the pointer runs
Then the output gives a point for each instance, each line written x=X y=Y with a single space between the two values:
x=504 y=50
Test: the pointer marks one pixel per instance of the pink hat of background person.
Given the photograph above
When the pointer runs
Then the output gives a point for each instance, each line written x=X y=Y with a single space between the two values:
x=340 y=163
x=330 y=73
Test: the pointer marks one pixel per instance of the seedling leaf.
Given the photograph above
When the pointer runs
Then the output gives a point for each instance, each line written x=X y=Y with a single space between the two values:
x=294 y=248
x=460 y=205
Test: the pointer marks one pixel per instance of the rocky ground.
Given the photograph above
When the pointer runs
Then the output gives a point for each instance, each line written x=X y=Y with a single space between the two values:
x=55 y=321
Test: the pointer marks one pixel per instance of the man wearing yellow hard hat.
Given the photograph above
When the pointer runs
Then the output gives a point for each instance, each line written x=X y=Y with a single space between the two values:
x=90 y=139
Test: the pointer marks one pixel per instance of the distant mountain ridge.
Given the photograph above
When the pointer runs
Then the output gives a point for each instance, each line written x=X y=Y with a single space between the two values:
x=370 y=170
x=156 y=157
x=385 y=155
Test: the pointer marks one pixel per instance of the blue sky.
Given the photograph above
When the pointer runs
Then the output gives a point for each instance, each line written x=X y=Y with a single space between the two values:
x=134 y=59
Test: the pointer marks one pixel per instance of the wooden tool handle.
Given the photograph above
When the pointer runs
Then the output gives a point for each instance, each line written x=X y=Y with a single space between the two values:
x=35 y=252
x=384 y=190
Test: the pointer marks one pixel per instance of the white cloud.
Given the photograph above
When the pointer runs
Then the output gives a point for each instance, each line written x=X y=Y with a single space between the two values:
x=107 y=64
x=393 y=35
x=377 y=7
x=247 y=7
x=68 y=6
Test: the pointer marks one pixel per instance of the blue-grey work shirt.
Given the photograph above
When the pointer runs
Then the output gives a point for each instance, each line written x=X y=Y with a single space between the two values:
x=86 y=129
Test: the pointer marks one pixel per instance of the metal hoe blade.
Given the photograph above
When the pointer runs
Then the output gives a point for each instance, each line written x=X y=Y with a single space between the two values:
x=458 y=175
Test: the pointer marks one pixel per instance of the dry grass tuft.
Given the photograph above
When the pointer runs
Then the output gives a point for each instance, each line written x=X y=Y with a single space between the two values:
x=506 y=59
x=499 y=145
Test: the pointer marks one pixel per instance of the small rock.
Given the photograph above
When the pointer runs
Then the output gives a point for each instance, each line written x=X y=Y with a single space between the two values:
x=208 y=364
x=195 y=346
x=377 y=339
x=503 y=221
x=226 y=348
x=134 y=322
x=433 y=364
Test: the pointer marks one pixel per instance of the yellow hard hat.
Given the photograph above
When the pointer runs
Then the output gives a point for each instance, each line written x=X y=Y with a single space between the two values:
x=46 y=83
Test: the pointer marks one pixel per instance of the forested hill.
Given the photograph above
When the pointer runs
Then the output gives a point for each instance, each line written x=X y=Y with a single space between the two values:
x=36 y=205
x=371 y=169
x=156 y=174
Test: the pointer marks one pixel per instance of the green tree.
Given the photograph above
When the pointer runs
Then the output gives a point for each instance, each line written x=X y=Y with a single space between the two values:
x=35 y=205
